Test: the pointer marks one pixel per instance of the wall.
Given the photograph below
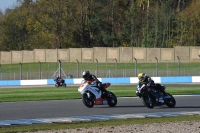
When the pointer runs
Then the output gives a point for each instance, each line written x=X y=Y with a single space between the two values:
x=103 y=54
x=167 y=55
x=27 y=56
x=39 y=55
x=100 y=54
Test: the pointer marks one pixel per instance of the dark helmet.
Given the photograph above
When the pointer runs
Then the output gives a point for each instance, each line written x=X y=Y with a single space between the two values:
x=141 y=77
x=86 y=74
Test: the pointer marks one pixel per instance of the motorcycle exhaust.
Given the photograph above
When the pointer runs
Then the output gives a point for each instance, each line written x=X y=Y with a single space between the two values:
x=101 y=101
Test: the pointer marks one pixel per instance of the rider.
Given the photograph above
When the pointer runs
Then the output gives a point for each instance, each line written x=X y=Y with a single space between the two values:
x=143 y=78
x=89 y=77
x=59 y=80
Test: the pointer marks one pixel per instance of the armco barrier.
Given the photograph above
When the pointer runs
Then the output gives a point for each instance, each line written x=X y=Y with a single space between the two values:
x=131 y=80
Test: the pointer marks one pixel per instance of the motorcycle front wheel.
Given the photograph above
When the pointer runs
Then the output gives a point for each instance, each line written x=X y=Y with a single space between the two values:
x=170 y=102
x=56 y=85
x=112 y=99
x=147 y=101
x=87 y=101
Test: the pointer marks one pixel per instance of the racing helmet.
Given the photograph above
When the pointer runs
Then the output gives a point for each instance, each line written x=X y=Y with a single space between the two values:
x=141 y=77
x=86 y=74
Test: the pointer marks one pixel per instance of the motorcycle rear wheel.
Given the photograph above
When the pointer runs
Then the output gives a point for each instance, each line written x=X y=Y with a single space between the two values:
x=64 y=85
x=112 y=99
x=87 y=101
x=170 y=102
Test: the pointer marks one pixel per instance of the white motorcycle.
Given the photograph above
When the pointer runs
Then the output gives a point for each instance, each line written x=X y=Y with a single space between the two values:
x=92 y=95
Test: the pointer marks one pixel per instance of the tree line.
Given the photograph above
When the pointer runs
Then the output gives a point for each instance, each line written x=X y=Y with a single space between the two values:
x=35 y=24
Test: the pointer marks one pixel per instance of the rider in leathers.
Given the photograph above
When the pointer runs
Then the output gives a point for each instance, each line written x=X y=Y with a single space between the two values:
x=59 y=80
x=143 y=78
x=90 y=78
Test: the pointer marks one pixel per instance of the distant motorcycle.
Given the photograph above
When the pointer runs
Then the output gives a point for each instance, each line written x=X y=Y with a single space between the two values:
x=60 y=83
x=153 y=97
x=92 y=95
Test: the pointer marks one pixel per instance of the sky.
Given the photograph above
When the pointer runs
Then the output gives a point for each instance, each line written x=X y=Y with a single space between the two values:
x=6 y=4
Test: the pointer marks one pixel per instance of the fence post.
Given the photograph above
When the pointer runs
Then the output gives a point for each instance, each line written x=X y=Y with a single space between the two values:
x=97 y=67
x=178 y=65
x=0 y=73
x=40 y=70
x=199 y=56
x=77 y=68
x=59 y=68
x=156 y=67
x=116 y=68
x=20 y=71
x=135 y=67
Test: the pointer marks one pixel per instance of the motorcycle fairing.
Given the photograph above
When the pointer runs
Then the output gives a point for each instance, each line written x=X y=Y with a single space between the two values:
x=90 y=87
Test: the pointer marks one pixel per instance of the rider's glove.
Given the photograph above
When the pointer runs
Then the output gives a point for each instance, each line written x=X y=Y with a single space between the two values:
x=99 y=85
x=137 y=93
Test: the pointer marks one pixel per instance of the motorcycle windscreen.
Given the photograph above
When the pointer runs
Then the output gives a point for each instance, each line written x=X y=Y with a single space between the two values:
x=83 y=88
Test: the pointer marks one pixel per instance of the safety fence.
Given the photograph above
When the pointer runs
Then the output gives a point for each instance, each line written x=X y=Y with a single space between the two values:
x=101 y=70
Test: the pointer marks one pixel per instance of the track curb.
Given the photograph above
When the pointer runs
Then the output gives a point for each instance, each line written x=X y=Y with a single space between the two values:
x=93 y=118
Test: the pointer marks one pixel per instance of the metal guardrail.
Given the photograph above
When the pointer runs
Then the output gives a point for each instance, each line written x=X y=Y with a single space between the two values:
x=46 y=71
x=101 y=74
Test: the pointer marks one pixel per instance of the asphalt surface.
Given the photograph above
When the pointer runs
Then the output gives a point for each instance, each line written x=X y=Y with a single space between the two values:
x=69 y=108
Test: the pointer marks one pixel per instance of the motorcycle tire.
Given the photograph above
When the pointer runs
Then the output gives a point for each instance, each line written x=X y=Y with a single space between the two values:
x=88 y=102
x=170 y=102
x=148 y=102
x=112 y=99
x=64 y=85
x=56 y=85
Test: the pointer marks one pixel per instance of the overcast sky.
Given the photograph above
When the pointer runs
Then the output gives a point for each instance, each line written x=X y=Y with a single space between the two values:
x=6 y=4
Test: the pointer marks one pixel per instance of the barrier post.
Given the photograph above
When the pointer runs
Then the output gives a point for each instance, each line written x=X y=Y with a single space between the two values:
x=77 y=68
x=59 y=68
x=97 y=67
x=40 y=73
x=135 y=67
x=178 y=66
x=20 y=71
x=0 y=73
x=116 y=68
x=156 y=67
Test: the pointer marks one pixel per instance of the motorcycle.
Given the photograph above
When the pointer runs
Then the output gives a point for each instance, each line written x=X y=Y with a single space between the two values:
x=153 y=97
x=60 y=83
x=92 y=95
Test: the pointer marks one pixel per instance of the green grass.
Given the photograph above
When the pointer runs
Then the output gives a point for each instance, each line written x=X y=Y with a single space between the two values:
x=55 y=126
x=71 y=92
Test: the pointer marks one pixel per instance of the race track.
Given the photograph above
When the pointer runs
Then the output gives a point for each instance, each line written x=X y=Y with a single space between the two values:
x=71 y=108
